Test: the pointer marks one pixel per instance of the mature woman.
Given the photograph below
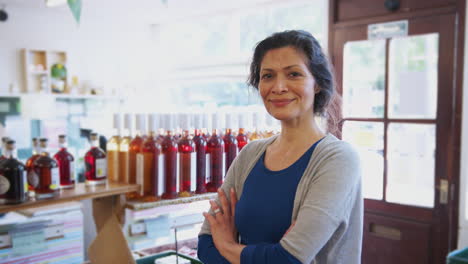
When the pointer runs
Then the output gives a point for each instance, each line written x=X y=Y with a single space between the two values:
x=295 y=197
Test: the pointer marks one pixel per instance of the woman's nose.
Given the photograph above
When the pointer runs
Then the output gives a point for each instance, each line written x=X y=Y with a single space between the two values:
x=279 y=86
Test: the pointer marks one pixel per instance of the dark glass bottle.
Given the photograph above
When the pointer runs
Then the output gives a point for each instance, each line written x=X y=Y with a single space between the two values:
x=46 y=168
x=66 y=164
x=230 y=148
x=187 y=165
x=169 y=150
x=200 y=148
x=95 y=163
x=215 y=158
x=4 y=148
x=13 y=184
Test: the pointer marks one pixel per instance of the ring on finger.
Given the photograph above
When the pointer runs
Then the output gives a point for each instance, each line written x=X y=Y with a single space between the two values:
x=217 y=210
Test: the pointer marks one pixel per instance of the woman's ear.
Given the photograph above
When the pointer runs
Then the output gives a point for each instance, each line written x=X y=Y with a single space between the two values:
x=317 y=89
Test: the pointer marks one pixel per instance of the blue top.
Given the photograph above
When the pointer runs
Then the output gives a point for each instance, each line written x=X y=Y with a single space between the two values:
x=263 y=214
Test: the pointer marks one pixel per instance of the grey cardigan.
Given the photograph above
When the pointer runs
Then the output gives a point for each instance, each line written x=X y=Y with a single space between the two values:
x=328 y=206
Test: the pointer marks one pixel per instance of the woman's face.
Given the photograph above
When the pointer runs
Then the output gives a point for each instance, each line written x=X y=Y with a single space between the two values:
x=286 y=85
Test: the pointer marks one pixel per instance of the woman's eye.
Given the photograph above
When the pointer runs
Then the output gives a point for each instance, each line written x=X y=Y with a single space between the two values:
x=266 y=76
x=295 y=74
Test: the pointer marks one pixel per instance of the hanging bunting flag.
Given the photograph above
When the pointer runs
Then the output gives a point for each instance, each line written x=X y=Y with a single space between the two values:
x=75 y=7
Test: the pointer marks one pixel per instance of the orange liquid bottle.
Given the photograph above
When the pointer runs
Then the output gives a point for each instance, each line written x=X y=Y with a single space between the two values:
x=113 y=152
x=33 y=178
x=241 y=137
x=47 y=169
x=148 y=165
x=124 y=150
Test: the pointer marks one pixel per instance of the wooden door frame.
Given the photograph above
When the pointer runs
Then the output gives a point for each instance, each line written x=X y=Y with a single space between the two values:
x=455 y=139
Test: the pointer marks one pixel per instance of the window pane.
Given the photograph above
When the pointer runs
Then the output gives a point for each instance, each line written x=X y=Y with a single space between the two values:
x=364 y=79
x=411 y=164
x=368 y=138
x=260 y=23
x=413 y=76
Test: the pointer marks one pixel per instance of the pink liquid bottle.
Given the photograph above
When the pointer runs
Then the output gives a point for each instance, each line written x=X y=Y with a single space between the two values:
x=169 y=149
x=230 y=142
x=65 y=163
x=215 y=156
x=187 y=158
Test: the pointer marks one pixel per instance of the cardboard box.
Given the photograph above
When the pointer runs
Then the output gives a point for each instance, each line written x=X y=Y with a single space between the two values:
x=110 y=245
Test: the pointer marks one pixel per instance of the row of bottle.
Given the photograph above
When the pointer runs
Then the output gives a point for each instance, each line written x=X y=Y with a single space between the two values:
x=165 y=164
x=43 y=175
x=173 y=159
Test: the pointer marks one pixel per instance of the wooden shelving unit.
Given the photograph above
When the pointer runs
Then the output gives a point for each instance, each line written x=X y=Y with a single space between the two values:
x=80 y=192
x=37 y=65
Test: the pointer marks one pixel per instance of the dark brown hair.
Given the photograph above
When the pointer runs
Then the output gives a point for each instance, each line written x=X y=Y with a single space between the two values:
x=317 y=63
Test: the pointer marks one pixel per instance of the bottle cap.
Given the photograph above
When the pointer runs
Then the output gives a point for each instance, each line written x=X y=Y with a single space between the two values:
x=207 y=121
x=153 y=122
x=141 y=122
x=117 y=121
x=184 y=121
x=215 y=121
x=197 y=120
x=94 y=136
x=43 y=143
x=128 y=121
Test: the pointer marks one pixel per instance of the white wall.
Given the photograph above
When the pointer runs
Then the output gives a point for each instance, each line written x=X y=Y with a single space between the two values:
x=111 y=46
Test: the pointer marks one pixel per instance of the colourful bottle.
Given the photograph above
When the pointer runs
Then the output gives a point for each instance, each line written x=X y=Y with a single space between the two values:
x=148 y=165
x=135 y=146
x=215 y=157
x=4 y=148
x=187 y=160
x=169 y=149
x=124 y=147
x=207 y=125
x=230 y=143
x=242 y=138
x=257 y=126
x=113 y=151
x=95 y=163
x=200 y=148
x=13 y=183
x=47 y=169
x=66 y=164
x=33 y=178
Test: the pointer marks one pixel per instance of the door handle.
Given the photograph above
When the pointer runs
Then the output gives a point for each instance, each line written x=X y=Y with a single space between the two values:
x=443 y=191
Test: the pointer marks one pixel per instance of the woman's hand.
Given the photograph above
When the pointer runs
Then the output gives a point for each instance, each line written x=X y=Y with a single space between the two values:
x=222 y=224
